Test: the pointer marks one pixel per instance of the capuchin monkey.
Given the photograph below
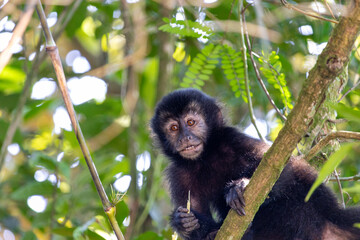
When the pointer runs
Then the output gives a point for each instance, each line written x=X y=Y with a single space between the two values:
x=215 y=162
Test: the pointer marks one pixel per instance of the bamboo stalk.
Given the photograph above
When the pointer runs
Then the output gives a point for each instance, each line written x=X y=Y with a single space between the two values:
x=53 y=52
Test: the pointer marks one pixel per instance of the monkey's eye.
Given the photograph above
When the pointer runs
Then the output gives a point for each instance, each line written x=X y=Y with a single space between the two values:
x=174 y=128
x=190 y=122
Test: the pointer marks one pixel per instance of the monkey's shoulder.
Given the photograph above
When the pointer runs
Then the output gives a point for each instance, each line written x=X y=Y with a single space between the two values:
x=233 y=140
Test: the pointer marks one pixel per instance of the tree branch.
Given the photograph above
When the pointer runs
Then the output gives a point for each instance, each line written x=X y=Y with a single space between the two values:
x=290 y=6
x=346 y=179
x=323 y=142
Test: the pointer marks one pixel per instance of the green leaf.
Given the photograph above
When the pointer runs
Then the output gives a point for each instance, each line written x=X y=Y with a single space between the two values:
x=149 y=236
x=64 y=231
x=203 y=77
x=200 y=82
x=213 y=61
x=203 y=62
x=195 y=65
x=201 y=56
x=198 y=61
x=77 y=19
x=165 y=19
x=210 y=66
x=190 y=75
x=29 y=236
x=11 y=79
x=40 y=159
x=33 y=188
x=349 y=113
x=185 y=28
x=206 y=71
x=329 y=166
x=187 y=80
x=233 y=67
x=193 y=70
x=271 y=69
x=353 y=189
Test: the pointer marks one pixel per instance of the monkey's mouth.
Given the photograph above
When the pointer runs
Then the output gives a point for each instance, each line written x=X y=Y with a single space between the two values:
x=192 y=151
x=191 y=148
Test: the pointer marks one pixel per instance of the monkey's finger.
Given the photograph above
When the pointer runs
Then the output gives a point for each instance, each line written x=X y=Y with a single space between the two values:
x=235 y=204
x=187 y=219
x=182 y=209
x=240 y=196
x=191 y=225
x=241 y=211
x=237 y=207
x=186 y=215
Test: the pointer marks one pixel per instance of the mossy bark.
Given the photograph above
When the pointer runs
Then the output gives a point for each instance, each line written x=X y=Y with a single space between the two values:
x=323 y=122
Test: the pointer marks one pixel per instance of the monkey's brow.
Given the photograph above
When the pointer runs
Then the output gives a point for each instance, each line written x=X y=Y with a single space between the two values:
x=166 y=115
x=193 y=107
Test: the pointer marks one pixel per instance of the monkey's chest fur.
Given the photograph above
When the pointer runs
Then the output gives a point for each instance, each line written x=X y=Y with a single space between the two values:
x=206 y=178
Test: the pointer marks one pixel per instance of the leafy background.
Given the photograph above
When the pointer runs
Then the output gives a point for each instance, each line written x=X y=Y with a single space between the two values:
x=138 y=51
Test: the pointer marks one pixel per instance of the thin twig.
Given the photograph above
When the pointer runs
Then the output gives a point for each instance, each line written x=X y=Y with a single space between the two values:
x=246 y=74
x=323 y=142
x=53 y=52
x=340 y=188
x=257 y=72
x=17 y=33
x=347 y=179
x=64 y=19
x=353 y=87
x=329 y=8
x=290 y=6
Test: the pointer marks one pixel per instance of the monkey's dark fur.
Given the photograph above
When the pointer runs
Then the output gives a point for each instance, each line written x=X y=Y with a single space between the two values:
x=215 y=161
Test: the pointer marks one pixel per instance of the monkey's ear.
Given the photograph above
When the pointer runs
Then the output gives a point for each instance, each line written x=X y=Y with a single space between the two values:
x=154 y=137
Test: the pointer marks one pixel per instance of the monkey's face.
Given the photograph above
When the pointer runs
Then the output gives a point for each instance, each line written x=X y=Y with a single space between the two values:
x=186 y=134
x=183 y=123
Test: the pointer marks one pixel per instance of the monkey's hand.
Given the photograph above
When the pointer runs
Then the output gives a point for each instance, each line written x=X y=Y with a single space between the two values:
x=184 y=222
x=234 y=195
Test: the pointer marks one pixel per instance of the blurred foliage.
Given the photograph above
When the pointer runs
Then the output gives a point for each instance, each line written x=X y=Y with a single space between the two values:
x=123 y=44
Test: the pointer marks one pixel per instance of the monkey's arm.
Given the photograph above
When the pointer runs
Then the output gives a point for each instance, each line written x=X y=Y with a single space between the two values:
x=248 y=154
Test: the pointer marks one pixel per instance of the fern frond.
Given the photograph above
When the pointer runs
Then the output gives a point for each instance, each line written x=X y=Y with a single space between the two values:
x=185 y=28
x=233 y=67
x=201 y=67
x=271 y=69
